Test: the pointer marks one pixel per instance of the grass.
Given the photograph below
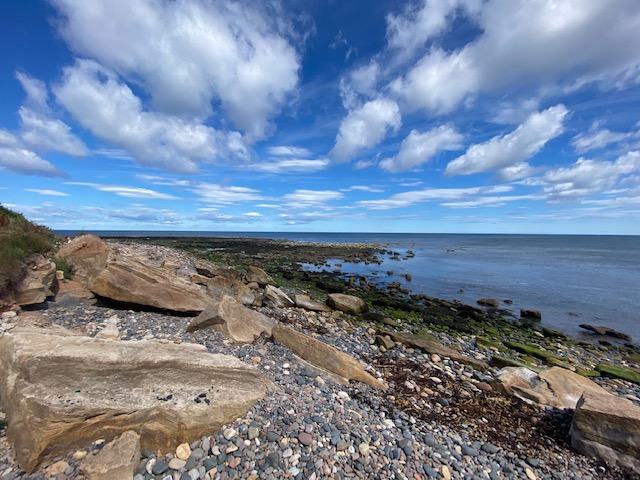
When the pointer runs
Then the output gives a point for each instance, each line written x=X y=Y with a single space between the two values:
x=19 y=239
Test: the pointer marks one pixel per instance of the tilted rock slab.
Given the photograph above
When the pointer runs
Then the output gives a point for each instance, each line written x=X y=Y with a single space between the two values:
x=258 y=275
x=236 y=321
x=87 y=253
x=325 y=356
x=306 y=302
x=62 y=392
x=130 y=281
x=556 y=386
x=274 y=297
x=607 y=427
x=433 y=346
x=347 y=303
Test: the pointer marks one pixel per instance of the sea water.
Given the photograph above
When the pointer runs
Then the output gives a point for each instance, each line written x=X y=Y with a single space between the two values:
x=571 y=279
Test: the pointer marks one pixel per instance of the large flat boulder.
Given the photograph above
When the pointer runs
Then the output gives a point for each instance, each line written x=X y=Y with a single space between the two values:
x=258 y=275
x=219 y=286
x=40 y=282
x=306 y=302
x=347 y=303
x=236 y=321
x=131 y=281
x=323 y=355
x=607 y=427
x=556 y=386
x=61 y=392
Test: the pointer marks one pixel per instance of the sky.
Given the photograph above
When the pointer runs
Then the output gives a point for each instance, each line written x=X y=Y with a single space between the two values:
x=423 y=116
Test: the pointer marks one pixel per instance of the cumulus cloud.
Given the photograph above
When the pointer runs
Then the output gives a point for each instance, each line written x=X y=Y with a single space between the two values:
x=191 y=54
x=288 y=151
x=405 y=199
x=550 y=35
x=419 y=148
x=589 y=177
x=291 y=165
x=112 y=112
x=597 y=138
x=504 y=152
x=365 y=127
x=26 y=162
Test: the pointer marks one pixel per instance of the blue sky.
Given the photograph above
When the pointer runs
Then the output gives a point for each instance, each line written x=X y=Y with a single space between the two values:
x=495 y=116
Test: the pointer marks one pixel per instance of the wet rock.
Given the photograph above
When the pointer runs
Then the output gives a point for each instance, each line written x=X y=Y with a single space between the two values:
x=489 y=302
x=605 y=331
x=530 y=313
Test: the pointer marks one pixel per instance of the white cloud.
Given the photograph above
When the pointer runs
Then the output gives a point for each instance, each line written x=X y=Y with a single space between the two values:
x=123 y=191
x=288 y=151
x=53 y=193
x=26 y=162
x=419 y=148
x=311 y=198
x=8 y=139
x=363 y=188
x=225 y=194
x=597 y=138
x=365 y=127
x=113 y=153
x=550 y=35
x=191 y=54
x=112 y=112
x=405 y=199
x=291 y=165
x=513 y=149
x=589 y=177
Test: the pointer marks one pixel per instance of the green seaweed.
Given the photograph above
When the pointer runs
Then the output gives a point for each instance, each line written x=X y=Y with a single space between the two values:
x=617 y=371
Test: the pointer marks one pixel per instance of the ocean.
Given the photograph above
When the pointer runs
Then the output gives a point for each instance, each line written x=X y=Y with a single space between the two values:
x=571 y=279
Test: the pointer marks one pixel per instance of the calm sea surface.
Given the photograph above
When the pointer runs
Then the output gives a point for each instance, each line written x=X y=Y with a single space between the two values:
x=570 y=279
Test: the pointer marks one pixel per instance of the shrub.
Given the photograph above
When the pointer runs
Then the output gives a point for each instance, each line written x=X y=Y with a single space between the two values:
x=65 y=266
x=19 y=239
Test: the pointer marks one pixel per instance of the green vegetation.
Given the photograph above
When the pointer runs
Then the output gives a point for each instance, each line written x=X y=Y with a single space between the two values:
x=66 y=267
x=617 y=371
x=19 y=238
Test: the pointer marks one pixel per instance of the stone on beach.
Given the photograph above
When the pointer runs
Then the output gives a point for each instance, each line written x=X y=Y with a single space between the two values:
x=347 y=303
x=40 y=283
x=306 y=302
x=258 y=275
x=220 y=285
x=276 y=298
x=607 y=427
x=133 y=282
x=605 y=331
x=88 y=255
x=61 y=392
x=323 y=355
x=556 y=386
x=237 y=322
x=530 y=314
x=117 y=460
x=489 y=302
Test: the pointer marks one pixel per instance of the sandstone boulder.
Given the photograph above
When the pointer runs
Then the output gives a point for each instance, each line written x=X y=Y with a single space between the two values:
x=40 y=283
x=556 y=386
x=88 y=255
x=117 y=460
x=258 y=275
x=236 y=321
x=62 y=392
x=306 y=302
x=130 y=281
x=433 y=346
x=347 y=303
x=325 y=356
x=276 y=298
x=607 y=427
x=219 y=286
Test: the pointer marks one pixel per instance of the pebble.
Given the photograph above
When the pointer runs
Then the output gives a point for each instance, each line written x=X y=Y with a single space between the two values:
x=183 y=451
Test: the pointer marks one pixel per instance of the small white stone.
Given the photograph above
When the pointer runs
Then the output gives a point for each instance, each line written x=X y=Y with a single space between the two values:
x=364 y=449
x=229 y=433
x=183 y=451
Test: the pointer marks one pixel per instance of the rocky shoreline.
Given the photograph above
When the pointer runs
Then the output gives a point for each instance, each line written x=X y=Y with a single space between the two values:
x=438 y=418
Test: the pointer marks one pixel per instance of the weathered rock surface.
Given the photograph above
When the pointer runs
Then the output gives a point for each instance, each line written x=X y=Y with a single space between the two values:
x=130 y=281
x=322 y=355
x=556 y=386
x=40 y=283
x=236 y=321
x=274 y=297
x=61 y=392
x=117 y=460
x=347 y=303
x=219 y=286
x=306 y=302
x=258 y=275
x=530 y=314
x=607 y=427
x=489 y=302
x=605 y=331
x=431 y=345
x=88 y=254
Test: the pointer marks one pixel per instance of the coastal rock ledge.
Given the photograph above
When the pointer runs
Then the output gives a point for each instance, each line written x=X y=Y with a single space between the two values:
x=61 y=392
